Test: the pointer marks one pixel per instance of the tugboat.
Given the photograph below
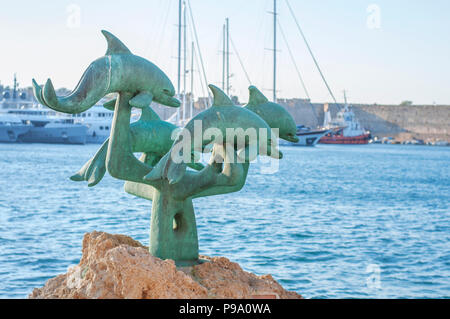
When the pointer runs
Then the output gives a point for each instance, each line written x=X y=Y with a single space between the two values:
x=345 y=129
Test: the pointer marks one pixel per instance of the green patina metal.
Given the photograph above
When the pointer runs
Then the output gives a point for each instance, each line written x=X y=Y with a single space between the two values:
x=221 y=116
x=274 y=114
x=118 y=71
x=150 y=136
x=155 y=177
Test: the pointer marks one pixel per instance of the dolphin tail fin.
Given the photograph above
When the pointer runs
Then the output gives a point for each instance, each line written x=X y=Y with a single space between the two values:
x=167 y=169
x=94 y=170
x=37 y=90
x=175 y=172
x=157 y=172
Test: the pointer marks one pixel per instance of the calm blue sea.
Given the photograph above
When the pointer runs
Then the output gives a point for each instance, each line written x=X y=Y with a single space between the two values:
x=335 y=222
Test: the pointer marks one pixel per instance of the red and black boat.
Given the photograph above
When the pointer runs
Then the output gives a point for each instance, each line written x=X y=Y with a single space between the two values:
x=345 y=129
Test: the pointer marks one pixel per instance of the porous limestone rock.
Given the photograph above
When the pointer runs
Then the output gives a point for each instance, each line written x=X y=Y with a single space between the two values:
x=116 y=266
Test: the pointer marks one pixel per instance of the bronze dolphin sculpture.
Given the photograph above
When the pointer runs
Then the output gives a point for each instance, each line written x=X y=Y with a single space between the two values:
x=118 y=71
x=274 y=114
x=222 y=115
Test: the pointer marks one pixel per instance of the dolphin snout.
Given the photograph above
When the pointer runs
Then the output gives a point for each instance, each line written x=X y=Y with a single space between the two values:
x=290 y=138
x=168 y=100
x=173 y=102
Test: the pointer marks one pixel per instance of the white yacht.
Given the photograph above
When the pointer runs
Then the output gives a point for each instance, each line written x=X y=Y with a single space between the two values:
x=11 y=128
x=98 y=120
x=39 y=124
x=46 y=126
x=306 y=136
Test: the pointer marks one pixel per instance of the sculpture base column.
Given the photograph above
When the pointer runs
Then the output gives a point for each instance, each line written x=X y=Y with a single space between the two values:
x=173 y=230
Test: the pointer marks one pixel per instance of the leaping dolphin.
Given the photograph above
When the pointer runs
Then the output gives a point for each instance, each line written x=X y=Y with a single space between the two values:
x=222 y=115
x=274 y=114
x=118 y=71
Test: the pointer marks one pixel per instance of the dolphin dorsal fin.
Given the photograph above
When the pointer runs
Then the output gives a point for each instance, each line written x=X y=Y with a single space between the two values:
x=220 y=98
x=115 y=46
x=256 y=97
x=149 y=115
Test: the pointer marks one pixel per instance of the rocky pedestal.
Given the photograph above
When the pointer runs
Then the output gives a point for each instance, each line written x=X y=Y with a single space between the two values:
x=116 y=266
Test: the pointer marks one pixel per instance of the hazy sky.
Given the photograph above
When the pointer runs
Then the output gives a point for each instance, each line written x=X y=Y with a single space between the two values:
x=379 y=51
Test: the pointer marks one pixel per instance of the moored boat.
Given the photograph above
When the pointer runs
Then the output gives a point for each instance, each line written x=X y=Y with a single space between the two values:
x=47 y=127
x=307 y=136
x=23 y=120
x=345 y=129
x=11 y=128
x=336 y=136
x=98 y=120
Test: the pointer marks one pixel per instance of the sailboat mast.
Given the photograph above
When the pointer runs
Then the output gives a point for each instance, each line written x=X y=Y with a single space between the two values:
x=184 y=62
x=192 y=81
x=275 y=51
x=179 y=54
x=179 y=45
x=223 y=56
x=15 y=87
x=228 y=54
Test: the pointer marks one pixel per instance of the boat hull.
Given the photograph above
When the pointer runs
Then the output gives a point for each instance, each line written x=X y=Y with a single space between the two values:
x=56 y=135
x=339 y=139
x=309 y=139
x=11 y=133
x=95 y=139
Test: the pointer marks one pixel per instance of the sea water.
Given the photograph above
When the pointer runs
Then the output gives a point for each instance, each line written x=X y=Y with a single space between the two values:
x=333 y=222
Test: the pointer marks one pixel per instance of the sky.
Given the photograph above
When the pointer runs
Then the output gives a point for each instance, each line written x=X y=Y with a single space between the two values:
x=383 y=52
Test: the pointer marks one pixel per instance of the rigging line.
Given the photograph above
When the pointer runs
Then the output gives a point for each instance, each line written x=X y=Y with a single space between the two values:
x=205 y=92
x=293 y=60
x=223 y=56
x=240 y=60
x=160 y=38
x=310 y=51
x=179 y=47
x=203 y=86
x=198 y=45
x=298 y=71
x=227 y=23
